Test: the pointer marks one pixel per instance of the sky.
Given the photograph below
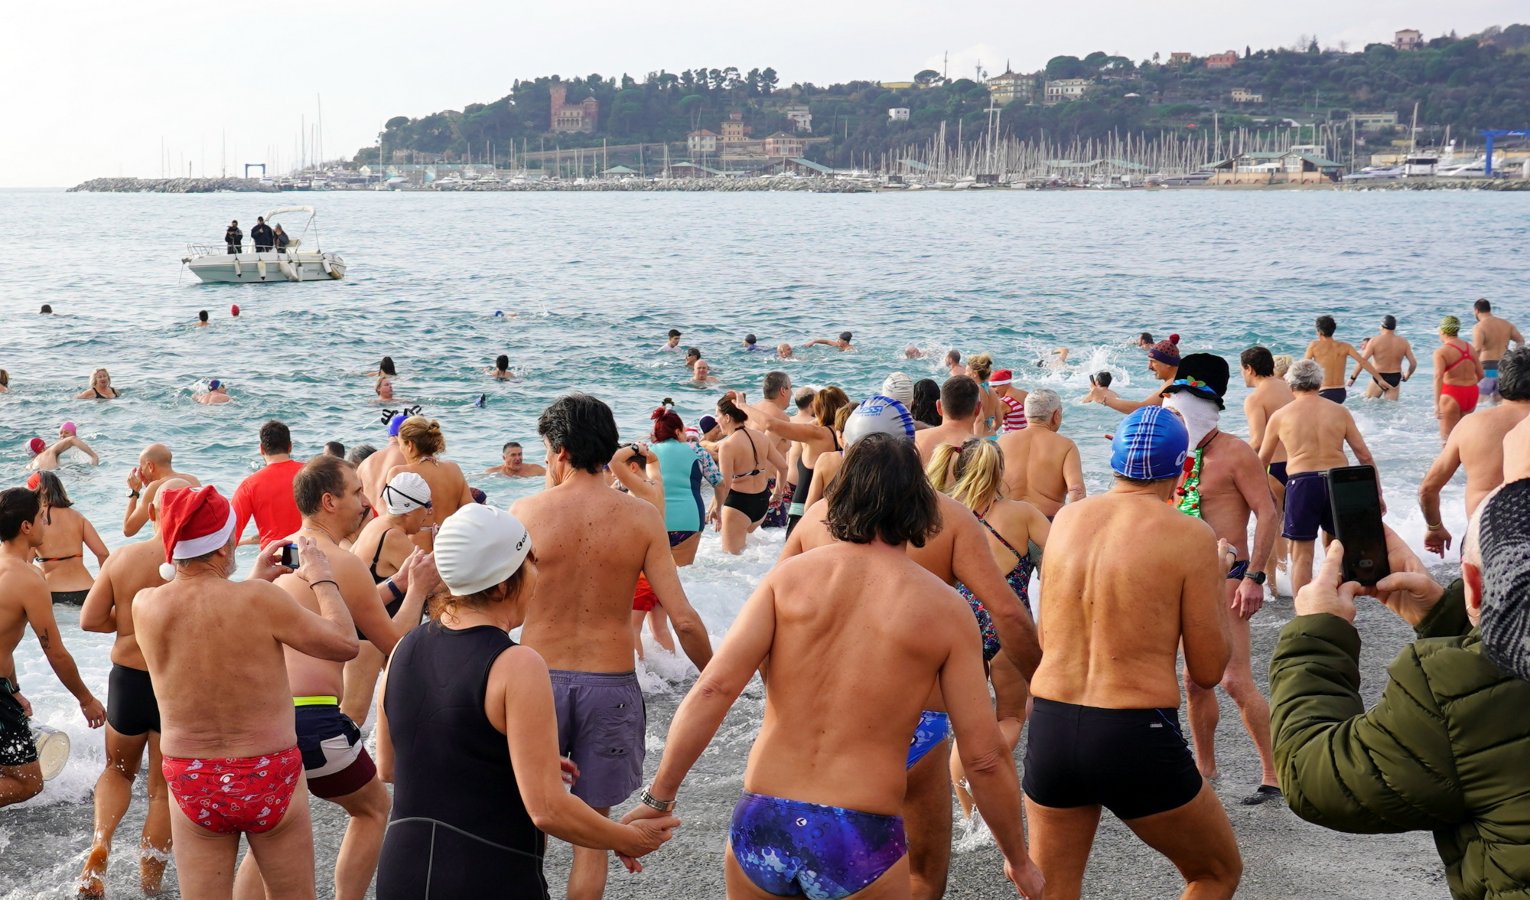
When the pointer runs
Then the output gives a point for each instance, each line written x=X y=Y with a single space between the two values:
x=92 y=88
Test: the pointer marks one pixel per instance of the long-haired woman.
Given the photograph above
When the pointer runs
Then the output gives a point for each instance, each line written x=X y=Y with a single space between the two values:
x=68 y=535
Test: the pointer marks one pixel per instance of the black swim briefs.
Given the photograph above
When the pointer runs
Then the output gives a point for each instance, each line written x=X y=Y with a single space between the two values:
x=131 y=707
x=1133 y=762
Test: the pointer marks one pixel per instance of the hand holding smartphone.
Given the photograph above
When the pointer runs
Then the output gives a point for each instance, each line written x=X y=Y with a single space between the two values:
x=1355 y=500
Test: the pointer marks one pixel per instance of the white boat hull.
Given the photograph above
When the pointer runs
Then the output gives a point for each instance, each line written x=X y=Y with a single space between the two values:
x=267 y=267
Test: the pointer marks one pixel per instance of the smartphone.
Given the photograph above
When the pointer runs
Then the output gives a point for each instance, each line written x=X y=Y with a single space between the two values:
x=290 y=556
x=1356 y=506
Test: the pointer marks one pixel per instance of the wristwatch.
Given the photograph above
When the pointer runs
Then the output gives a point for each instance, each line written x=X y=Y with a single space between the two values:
x=1255 y=577
x=133 y=495
x=647 y=799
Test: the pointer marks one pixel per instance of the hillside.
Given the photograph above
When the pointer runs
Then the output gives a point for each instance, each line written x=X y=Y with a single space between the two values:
x=1463 y=84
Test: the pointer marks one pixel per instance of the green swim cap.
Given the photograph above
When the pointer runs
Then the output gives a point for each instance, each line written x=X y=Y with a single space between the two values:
x=1450 y=326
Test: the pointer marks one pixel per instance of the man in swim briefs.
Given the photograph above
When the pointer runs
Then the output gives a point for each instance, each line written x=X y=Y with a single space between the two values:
x=154 y=468
x=582 y=627
x=820 y=817
x=1491 y=337
x=1387 y=350
x=515 y=465
x=214 y=650
x=1313 y=432
x=1268 y=394
x=1225 y=483
x=1139 y=582
x=1334 y=357
x=25 y=601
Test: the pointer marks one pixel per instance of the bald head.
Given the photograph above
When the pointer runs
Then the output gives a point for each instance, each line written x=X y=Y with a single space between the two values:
x=155 y=454
x=171 y=484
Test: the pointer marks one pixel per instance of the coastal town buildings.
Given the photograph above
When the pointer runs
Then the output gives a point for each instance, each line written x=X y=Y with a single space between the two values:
x=1244 y=95
x=783 y=144
x=702 y=142
x=898 y=114
x=1063 y=89
x=572 y=118
x=734 y=131
x=801 y=118
x=1010 y=87
x=1180 y=58
x=1373 y=121
x=1302 y=164
x=1407 y=39
x=1222 y=60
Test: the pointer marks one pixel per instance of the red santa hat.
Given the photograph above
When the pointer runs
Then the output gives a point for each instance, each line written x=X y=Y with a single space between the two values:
x=193 y=521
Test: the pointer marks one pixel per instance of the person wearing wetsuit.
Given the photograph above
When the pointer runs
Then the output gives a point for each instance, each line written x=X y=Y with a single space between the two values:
x=682 y=466
x=468 y=737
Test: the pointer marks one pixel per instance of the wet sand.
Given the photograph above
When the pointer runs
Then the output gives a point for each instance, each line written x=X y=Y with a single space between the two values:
x=42 y=849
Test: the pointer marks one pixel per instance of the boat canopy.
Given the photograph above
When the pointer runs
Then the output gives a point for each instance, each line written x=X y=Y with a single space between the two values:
x=289 y=209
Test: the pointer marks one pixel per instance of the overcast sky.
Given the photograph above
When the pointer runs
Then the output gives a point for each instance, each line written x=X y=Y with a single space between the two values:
x=92 y=88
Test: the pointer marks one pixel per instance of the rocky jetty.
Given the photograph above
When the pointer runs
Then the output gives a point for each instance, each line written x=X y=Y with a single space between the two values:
x=1443 y=184
x=173 y=186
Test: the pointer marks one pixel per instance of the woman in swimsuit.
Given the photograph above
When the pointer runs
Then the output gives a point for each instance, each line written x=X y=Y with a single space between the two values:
x=814 y=437
x=990 y=407
x=62 y=554
x=747 y=458
x=973 y=475
x=1456 y=373
x=100 y=387
x=826 y=469
x=385 y=543
x=681 y=468
x=420 y=439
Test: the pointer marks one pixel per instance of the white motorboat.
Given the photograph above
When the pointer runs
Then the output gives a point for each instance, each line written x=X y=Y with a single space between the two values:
x=213 y=262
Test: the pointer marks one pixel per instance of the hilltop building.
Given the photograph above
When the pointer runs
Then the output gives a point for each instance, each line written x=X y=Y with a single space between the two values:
x=1244 y=95
x=701 y=142
x=800 y=116
x=783 y=144
x=1010 y=87
x=898 y=114
x=1222 y=60
x=1180 y=58
x=1408 y=39
x=1063 y=89
x=734 y=131
x=570 y=118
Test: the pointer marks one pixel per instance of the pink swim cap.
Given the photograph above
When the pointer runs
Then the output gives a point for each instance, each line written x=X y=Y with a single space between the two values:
x=234 y=310
x=68 y=428
x=36 y=445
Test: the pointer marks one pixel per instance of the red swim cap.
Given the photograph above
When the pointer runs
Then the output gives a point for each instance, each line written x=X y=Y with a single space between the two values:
x=234 y=310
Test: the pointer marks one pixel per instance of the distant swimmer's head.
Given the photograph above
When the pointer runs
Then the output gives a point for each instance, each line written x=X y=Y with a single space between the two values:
x=674 y=335
x=202 y=316
x=882 y=493
x=1145 y=340
x=953 y=357
x=5 y=378
x=499 y=314
x=1103 y=378
x=784 y=351
x=1326 y=326
x=195 y=524
x=879 y=415
x=750 y=340
x=395 y=423
x=420 y=437
x=1150 y=445
x=899 y=387
x=386 y=366
x=691 y=355
x=384 y=388
x=46 y=310
x=36 y=445
x=845 y=336
x=1389 y=323
x=580 y=434
x=702 y=370
x=1164 y=356
x=502 y=362
x=214 y=384
x=67 y=428
x=1450 y=326
x=484 y=556
x=1305 y=376
x=234 y=310
x=513 y=454
x=407 y=493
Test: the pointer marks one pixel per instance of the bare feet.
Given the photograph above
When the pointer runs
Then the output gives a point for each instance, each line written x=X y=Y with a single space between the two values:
x=151 y=870
x=92 y=884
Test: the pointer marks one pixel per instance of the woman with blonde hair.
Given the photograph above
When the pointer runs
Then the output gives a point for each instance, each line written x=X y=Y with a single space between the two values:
x=816 y=437
x=990 y=407
x=100 y=387
x=973 y=475
x=420 y=440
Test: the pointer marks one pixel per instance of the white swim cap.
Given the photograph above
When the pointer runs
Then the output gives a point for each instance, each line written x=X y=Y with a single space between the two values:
x=899 y=387
x=405 y=493
x=478 y=547
x=879 y=415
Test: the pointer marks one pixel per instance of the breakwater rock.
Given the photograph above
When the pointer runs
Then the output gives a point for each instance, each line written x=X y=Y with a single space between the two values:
x=173 y=186
x=1444 y=184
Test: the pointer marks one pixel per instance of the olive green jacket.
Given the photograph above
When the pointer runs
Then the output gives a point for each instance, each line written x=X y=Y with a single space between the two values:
x=1446 y=748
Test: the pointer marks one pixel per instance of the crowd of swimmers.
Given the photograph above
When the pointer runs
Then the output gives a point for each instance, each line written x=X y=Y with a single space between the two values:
x=383 y=590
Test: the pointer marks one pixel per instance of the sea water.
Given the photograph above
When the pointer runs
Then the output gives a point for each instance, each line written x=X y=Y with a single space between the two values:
x=589 y=284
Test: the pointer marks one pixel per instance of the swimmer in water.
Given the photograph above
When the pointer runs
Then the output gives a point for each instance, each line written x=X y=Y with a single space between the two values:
x=752 y=345
x=701 y=373
x=784 y=351
x=1058 y=361
x=515 y=465
x=386 y=367
x=45 y=456
x=383 y=389
x=912 y=352
x=217 y=392
x=46 y=310
x=202 y=319
x=673 y=344
x=100 y=387
x=953 y=362
x=841 y=343
x=500 y=371
x=5 y=382
x=1145 y=341
x=692 y=356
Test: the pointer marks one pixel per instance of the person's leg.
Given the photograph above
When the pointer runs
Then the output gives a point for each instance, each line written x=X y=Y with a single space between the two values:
x=737 y=883
x=927 y=822
x=587 y=875
x=1238 y=681
x=638 y=616
x=362 y=845
x=285 y=853
x=1059 y=842
x=360 y=682
x=204 y=861
x=1197 y=838
x=658 y=626
x=1301 y=564
x=1203 y=713
x=735 y=527
x=1449 y=412
x=20 y=783
x=114 y=791
x=685 y=551
x=154 y=845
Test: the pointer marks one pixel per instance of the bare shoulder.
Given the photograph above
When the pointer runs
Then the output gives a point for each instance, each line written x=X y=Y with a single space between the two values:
x=520 y=664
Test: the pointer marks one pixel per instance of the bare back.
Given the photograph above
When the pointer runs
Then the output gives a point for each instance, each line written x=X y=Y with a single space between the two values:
x=1479 y=441
x=841 y=613
x=1313 y=431
x=62 y=553
x=1269 y=395
x=591 y=542
x=1491 y=336
x=1334 y=357
x=217 y=666
x=1035 y=467
x=130 y=569
x=373 y=472
x=1387 y=351
x=1140 y=578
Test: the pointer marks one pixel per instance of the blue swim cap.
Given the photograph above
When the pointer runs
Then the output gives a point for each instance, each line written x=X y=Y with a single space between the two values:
x=879 y=415
x=397 y=421
x=1150 y=445
x=499 y=314
x=214 y=384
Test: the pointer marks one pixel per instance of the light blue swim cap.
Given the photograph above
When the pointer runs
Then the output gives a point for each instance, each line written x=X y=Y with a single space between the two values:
x=879 y=415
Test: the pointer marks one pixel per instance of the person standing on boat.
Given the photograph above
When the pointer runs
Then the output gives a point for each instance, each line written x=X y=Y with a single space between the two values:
x=262 y=235
x=233 y=237
x=280 y=237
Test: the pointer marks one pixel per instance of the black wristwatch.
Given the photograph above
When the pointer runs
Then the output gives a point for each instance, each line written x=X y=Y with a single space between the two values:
x=1256 y=577
x=133 y=495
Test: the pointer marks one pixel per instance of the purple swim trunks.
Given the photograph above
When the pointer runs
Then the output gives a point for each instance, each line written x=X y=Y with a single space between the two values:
x=602 y=727
x=1307 y=507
